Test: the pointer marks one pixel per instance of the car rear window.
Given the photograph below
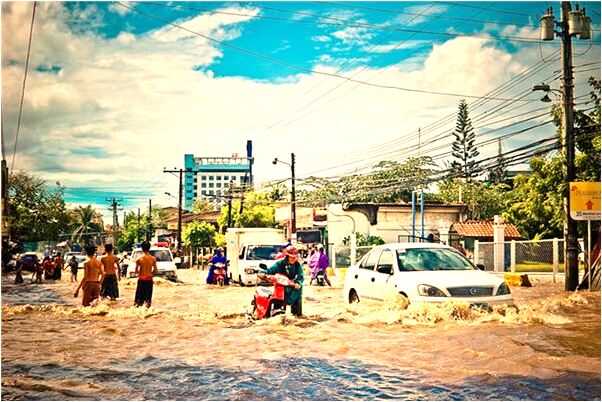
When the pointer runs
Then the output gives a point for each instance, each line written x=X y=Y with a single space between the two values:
x=269 y=252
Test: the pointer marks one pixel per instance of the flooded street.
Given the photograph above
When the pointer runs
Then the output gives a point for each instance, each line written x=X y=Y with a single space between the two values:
x=196 y=343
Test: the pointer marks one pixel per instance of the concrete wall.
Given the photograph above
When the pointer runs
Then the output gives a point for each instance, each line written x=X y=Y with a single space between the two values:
x=392 y=221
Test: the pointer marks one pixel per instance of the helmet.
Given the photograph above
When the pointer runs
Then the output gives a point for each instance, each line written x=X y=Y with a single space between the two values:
x=291 y=251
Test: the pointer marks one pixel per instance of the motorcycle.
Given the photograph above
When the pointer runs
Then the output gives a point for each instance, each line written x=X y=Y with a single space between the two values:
x=219 y=273
x=320 y=278
x=270 y=303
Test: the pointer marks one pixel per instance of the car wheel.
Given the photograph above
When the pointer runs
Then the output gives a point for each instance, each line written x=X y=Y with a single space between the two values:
x=353 y=297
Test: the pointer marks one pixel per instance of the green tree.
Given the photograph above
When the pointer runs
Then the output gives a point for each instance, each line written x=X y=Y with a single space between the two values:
x=35 y=212
x=258 y=211
x=85 y=228
x=202 y=205
x=482 y=200
x=463 y=148
x=536 y=205
x=497 y=174
x=388 y=181
x=130 y=232
x=198 y=234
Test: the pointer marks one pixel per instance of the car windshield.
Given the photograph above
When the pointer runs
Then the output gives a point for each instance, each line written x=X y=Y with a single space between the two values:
x=431 y=259
x=264 y=252
x=160 y=255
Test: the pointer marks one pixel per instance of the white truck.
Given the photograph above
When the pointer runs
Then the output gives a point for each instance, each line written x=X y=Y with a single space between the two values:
x=248 y=247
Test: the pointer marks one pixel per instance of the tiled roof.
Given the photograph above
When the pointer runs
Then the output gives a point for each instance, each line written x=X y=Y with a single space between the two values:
x=483 y=229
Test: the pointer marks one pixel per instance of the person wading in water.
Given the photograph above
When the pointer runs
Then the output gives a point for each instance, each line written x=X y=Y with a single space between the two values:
x=93 y=274
x=146 y=267
x=109 y=287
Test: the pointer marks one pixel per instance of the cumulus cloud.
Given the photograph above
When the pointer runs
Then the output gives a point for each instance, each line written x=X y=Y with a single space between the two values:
x=146 y=100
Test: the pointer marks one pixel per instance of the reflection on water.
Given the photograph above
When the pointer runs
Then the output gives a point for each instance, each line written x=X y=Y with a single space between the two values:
x=196 y=343
x=284 y=379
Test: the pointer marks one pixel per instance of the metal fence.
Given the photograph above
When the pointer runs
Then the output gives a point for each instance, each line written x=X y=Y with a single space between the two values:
x=341 y=256
x=521 y=255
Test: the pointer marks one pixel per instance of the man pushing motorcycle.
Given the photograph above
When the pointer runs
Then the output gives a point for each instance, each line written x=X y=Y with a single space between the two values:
x=291 y=267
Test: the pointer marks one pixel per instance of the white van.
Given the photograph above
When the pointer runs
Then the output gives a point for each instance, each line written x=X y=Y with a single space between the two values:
x=166 y=264
x=249 y=247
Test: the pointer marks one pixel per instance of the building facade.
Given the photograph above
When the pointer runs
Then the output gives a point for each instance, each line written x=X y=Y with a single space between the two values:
x=212 y=177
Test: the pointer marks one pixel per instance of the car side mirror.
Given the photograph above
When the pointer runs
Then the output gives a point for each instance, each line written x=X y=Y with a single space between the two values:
x=481 y=267
x=177 y=260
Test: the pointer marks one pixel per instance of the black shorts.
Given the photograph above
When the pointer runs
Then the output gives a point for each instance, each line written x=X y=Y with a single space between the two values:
x=144 y=293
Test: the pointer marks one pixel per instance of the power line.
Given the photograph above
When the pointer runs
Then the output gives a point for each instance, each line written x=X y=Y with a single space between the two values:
x=33 y=15
x=298 y=68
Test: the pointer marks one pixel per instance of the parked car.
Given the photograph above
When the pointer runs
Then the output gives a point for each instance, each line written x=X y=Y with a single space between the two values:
x=29 y=261
x=423 y=272
x=166 y=264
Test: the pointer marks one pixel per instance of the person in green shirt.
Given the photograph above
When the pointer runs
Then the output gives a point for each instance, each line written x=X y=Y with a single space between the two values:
x=291 y=267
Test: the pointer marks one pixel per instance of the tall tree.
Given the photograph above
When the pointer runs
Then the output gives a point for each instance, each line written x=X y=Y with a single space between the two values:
x=497 y=174
x=463 y=148
x=202 y=205
x=85 y=227
x=35 y=211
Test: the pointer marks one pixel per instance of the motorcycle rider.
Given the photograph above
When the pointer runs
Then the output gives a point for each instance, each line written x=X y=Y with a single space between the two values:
x=218 y=257
x=291 y=267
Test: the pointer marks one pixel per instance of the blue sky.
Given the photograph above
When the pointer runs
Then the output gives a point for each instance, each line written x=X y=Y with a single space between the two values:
x=114 y=95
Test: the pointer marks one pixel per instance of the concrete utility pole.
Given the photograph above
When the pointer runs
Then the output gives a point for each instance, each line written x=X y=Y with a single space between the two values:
x=114 y=204
x=180 y=189
x=571 y=263
x=573 y=23
x=293 y=203
x=149 y=226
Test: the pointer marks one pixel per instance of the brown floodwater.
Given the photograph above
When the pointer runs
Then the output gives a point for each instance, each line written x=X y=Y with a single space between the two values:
x=196 y=343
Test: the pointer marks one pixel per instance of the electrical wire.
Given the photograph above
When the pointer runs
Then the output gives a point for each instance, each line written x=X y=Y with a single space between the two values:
x=33 y=15
x=299 y=68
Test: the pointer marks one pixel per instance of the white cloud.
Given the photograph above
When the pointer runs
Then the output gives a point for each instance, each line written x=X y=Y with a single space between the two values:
x=138 y=99
x=353 y=35
x=321 y=38
x=118 y=9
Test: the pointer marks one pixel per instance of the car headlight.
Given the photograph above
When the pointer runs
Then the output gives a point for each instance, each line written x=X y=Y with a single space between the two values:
x=503 y=290
x=428 y=290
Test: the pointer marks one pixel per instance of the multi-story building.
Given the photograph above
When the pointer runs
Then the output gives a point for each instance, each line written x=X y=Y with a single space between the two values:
x=210 y=177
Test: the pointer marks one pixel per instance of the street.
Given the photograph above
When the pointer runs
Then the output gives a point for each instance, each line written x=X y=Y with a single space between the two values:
x=195 y=342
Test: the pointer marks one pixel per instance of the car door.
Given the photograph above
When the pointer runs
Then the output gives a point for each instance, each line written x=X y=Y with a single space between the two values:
x=365 y=276
x=383 y=283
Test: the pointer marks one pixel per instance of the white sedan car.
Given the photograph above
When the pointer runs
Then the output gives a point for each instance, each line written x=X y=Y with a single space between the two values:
x=166 y=264
x=422 y=272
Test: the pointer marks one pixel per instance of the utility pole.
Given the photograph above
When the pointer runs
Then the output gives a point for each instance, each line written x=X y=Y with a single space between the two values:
x=180 y=190
x=293 y=203
x=149 y=230
x=571 y=266
x=114 y=204
x=573 y=23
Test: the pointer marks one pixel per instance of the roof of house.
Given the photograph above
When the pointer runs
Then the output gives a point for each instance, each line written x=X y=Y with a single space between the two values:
x=483 y=229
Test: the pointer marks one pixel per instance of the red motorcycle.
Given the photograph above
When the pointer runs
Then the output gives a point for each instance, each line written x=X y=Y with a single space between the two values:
x=219 y=273
x=270 y=303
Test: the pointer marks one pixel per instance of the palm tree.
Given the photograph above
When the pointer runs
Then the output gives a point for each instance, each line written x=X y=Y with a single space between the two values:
x=84 y=225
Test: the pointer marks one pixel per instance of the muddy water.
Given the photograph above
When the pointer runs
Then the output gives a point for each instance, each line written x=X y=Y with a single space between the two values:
x=195 y=343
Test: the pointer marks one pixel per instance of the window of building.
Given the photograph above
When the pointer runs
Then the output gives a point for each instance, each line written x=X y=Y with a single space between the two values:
x=218 y=192
x=210 y=185
x=210 y=177
x=203 y=177
x=218 y=185
x=218 y=177
x=203 y=185
x=195 y=186
x=210 y=192
x=203 y=192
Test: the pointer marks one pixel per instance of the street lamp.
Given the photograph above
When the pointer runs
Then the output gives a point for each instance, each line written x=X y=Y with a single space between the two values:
x=573 y=23
x=293 y=207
